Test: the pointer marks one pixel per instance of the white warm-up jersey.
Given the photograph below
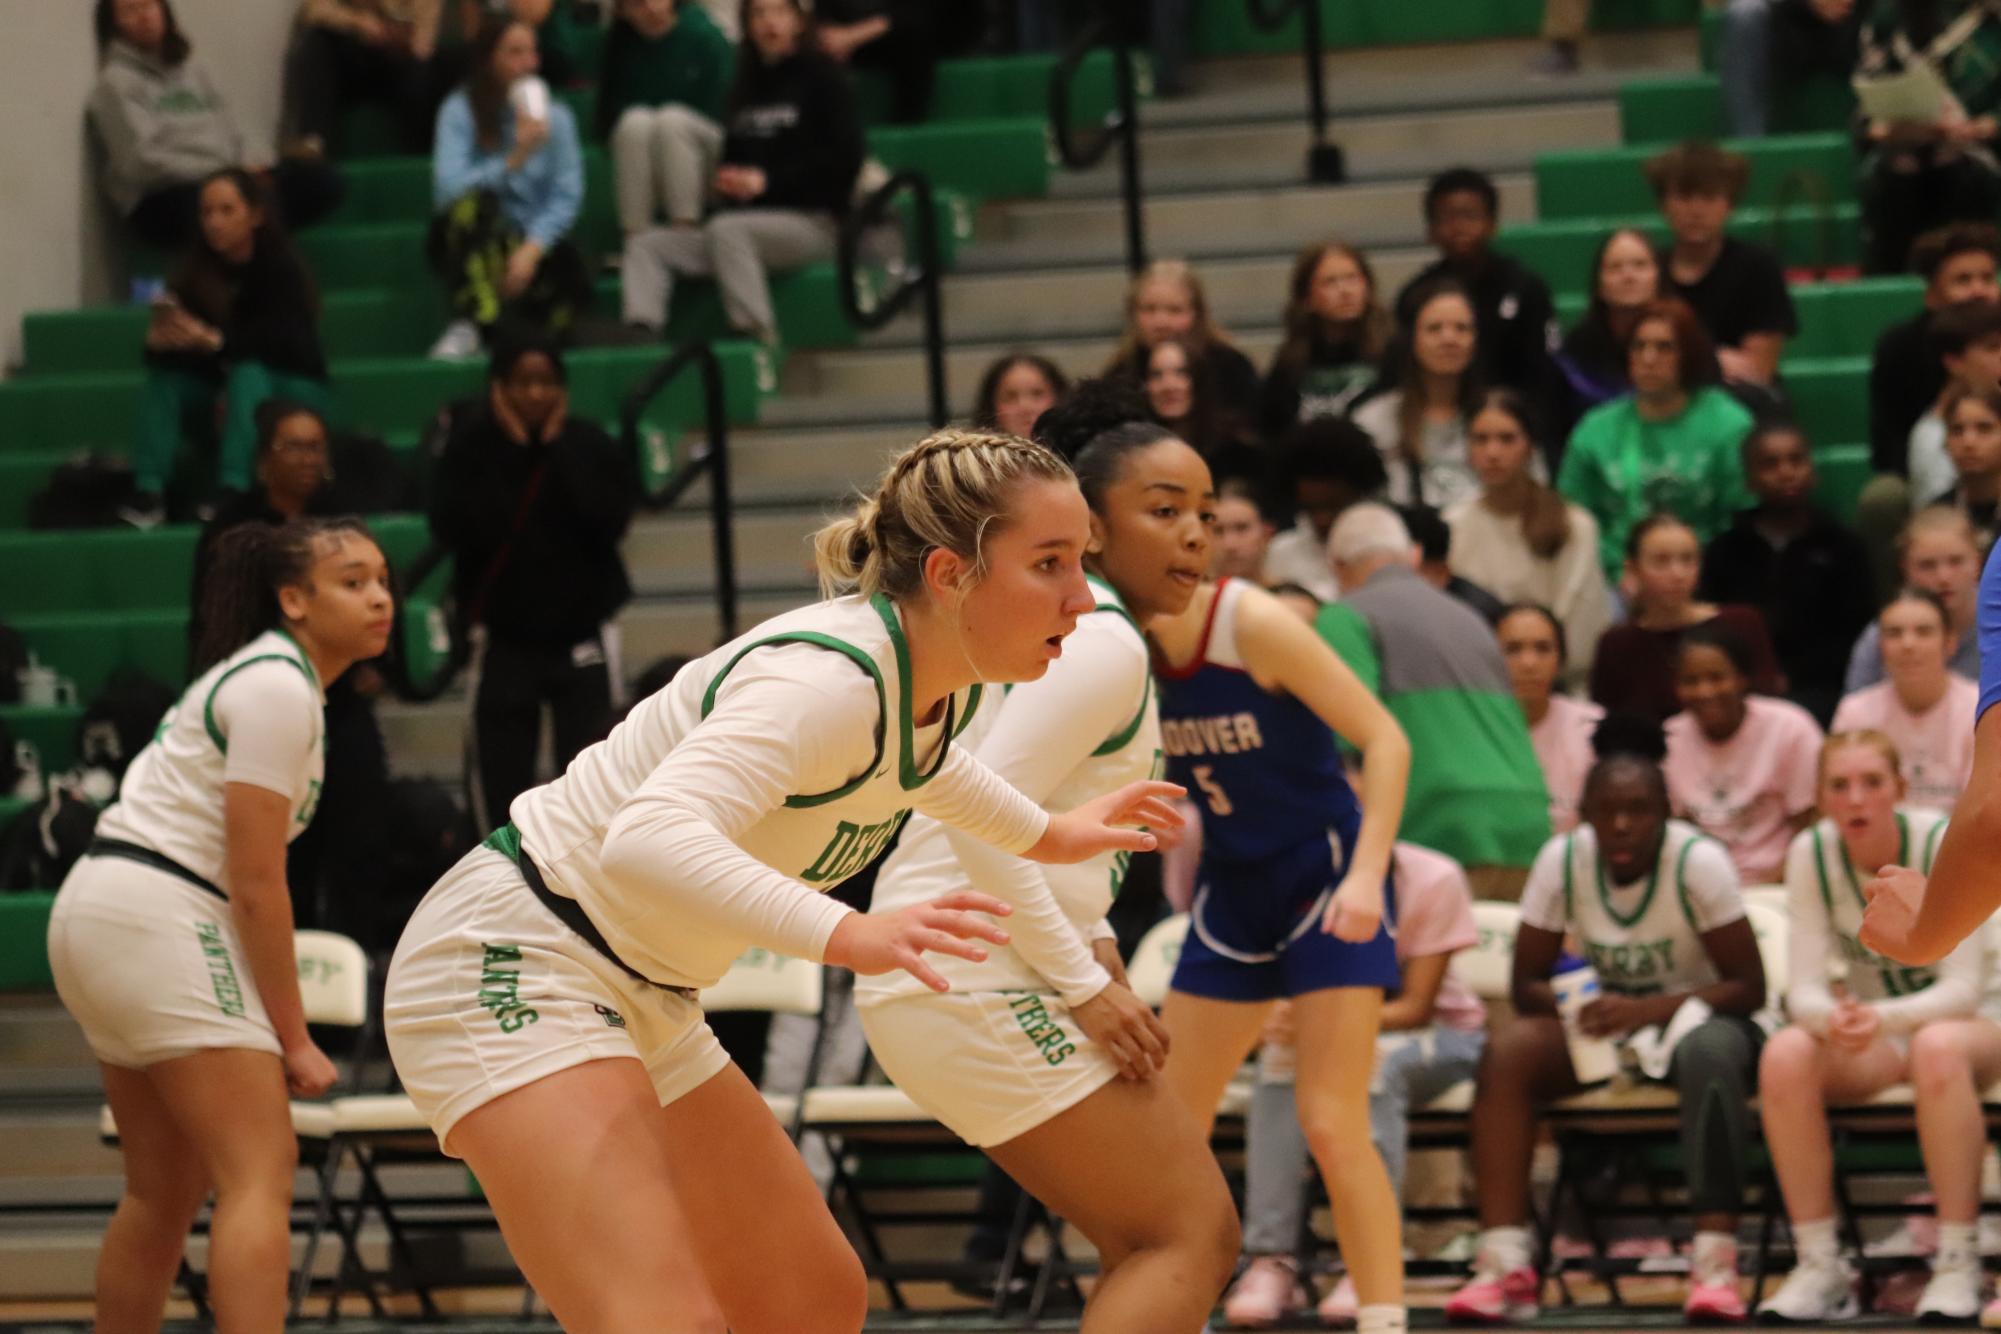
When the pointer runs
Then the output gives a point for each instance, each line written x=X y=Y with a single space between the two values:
x=794 y=744
x=1088 y=726
x=1824 y=902
x=257 y=717
x=1645 y=938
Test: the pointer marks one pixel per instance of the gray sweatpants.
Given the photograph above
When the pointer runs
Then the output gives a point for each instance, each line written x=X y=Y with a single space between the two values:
x=1411 y=1070
x=662 y=159
x=737 y=248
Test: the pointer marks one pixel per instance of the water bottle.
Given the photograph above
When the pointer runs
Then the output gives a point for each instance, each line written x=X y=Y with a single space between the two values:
x=1592 y=1059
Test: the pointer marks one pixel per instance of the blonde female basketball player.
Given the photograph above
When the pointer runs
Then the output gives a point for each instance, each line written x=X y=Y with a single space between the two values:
x=542 y=1004
x=171 y=940
x=1011 y=1061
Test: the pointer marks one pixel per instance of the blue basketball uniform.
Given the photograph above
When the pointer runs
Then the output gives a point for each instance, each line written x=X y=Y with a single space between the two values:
x=1278 y=819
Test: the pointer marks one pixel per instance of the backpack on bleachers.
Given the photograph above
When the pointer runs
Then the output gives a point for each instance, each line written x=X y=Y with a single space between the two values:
x=120 y=720
x=85 y=491
x=40 y=844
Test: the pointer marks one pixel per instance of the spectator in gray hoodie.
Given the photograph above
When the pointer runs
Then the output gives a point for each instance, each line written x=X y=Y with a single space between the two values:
x=165 y=129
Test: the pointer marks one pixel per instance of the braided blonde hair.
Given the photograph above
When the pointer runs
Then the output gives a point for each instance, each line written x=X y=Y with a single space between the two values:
x=943 y=492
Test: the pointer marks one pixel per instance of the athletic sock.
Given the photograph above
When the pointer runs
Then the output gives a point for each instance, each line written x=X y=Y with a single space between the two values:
x=1384 y=1319
x=1815 y=1243
x=1509 y=1248
x=1717 y=1250
x=1958 y=1247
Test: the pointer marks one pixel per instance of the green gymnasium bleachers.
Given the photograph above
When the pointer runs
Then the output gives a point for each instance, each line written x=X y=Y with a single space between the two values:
x=1227 y=29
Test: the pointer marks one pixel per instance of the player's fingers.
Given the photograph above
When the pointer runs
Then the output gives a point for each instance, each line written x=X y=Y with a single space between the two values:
x=1151 y=1046
x=1107 y=838
x=934 y=941
x=971 y=900
x=912 y=962
x=1156 y=814
x=968 y=925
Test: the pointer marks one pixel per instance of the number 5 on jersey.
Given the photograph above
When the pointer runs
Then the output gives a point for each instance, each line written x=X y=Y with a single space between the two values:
x=1219 y=800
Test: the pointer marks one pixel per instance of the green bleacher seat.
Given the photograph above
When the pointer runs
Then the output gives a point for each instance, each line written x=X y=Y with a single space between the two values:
x=1830 y=397
x=24 y=939
x=1601 y=181
x=51 y=729
x=1836 y=319
x=1690 y=106
x=1226 y=28
x=1844 y=471
x=22 y=476
x=1562 y=250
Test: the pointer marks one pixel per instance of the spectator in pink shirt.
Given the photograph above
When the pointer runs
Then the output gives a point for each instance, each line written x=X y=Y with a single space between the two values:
x=1740 y=767
x=1924 y=708
x=1560 y=727
x=1433 y=1031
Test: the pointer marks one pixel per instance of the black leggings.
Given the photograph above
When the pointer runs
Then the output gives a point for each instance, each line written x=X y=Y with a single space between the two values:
x=1716 y=1071
x=515 y=681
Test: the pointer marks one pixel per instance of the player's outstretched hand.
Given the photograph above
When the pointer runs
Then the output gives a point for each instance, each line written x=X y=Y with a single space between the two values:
x=953 y=924
x=1894 y=894
x=1103 y=824
x=1127 y=1028
x=1355 y=911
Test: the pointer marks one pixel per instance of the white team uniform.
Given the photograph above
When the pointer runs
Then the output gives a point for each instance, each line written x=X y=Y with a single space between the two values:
x=141 y=940
x=1644 y=939
x=780 y=763
x=1824 y=904
x=999 y=1054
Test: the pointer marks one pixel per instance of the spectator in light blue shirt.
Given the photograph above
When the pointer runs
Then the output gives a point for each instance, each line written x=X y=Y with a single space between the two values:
x=506 y=187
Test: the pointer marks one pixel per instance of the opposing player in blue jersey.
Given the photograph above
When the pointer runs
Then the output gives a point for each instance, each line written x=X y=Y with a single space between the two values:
x=1915 y=924
x=1293 y=900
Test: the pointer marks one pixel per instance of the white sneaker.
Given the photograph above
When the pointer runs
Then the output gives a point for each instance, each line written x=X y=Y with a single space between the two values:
x=1812 y=1294
x=1952 y=1296
x=459 y=342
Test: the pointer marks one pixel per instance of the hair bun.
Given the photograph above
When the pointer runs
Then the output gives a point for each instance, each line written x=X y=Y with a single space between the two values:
x=1629 y=734
x=1092 y=408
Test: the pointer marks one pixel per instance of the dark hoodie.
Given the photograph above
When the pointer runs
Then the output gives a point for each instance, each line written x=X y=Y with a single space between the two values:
x=796 y=121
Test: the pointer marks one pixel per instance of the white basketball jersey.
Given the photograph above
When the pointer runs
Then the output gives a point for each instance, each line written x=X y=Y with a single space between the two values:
x=171 y=799
x=1642 y=938
x=1871 y=977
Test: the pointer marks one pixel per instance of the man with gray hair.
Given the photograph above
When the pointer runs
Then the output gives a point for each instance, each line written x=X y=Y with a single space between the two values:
x=1476 y=791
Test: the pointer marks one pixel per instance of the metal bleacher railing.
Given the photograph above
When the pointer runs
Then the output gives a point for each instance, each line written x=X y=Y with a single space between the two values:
x=1121 y=124
x=866 y=308
x=1325 y=162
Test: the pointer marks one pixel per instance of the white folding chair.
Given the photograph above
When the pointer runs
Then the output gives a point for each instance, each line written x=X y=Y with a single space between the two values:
x=1152 y=966
x=764 y=980
x=1773 y=930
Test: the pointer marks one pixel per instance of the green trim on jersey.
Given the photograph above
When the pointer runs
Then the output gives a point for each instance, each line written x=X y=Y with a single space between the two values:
x=1109 y=601
x=1622 y=920
x=1931 y=845
x=841 y=646
x=907 y=772
x=300 y=661
x=1681 y=884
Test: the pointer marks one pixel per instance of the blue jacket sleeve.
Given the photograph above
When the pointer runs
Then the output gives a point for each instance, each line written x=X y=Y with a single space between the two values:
x=1989 y=630
x=555 y=213
x=457 y=167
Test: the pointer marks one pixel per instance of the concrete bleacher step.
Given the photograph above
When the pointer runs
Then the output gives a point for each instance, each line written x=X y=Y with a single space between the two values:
x=43 y=1052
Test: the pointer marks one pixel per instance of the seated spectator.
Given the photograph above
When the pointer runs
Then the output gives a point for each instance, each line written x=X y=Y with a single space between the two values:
x=1782 y=41
x=1625 y=280
x=1475 y=792
x=1906 y=376
x=1669 y=445
x=1167 y=301
x=1635 y=668
x=1511 y=304
x=1889 y=1025
x=165 y=128
x=1323 y=467
x=1016 y=390
x=506 y=189
x=1182 y=396
x=1242 y=535
x=1336 y=333
x=1808 y=577
x=790 y=156
x=1434 y=562
x=905 y=39
x=1526 y=542
x=237 y=324
x=1535 y=648
x=1740 y=766
x=1973 y=440
x=1967 y=341
x=350 y=51
x=532 y=503
x=660 y=107
x=1432 y=1030
x=1737 y=289
x=1656 y=909
x=556 y=37
x=1938 y=552
x=1419 y=424
x=1924 y=708
x=1919 y=174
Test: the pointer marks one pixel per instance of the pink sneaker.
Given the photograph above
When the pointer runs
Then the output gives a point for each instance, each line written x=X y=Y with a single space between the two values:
x=1337 y=1309
x=1714 y=1303
x=1268 y=1291
x=1494 y=1298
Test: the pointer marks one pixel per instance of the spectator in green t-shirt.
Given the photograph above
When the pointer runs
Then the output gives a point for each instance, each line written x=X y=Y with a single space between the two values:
x=667 y=72
x=1669 y=445
x=1476 y=790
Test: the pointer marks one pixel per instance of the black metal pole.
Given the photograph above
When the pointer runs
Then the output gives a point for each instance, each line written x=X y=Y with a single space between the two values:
x=715 y=406
x=934 y=309
x=1129 y=154
x=1325 y=162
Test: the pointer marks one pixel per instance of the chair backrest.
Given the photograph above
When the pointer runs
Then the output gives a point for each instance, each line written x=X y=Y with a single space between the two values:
x=1773 y=931
x=1488 y=965
x=1771 y=896
x=763 y=979
x=1152 y=966
x=333 y=978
